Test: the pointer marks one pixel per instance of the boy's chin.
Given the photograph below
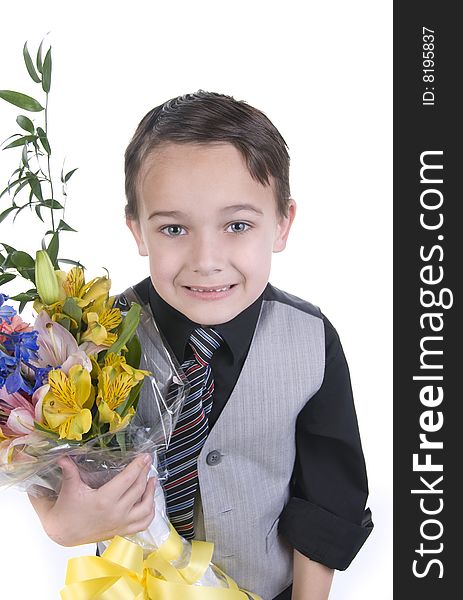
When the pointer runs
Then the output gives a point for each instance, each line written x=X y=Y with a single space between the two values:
x=212 y=315
x=210 y=318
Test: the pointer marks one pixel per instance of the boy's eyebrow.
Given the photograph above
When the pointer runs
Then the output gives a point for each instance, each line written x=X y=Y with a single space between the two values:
x=237 y=207
x=180 y=214
x=166 y=213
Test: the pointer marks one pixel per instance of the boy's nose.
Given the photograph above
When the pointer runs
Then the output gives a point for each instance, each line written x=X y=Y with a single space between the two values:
x=206 y=255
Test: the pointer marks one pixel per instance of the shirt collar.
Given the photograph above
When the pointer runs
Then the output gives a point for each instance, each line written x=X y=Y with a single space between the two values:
x=177 y=328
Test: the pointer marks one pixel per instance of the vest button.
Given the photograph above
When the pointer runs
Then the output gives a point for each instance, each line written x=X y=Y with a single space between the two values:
x=213 y=458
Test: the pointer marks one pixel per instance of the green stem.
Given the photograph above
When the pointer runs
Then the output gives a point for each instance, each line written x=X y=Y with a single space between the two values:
x=48 y=163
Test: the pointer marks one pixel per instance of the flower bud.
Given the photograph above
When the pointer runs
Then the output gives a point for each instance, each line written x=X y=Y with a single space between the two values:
x=45 y=278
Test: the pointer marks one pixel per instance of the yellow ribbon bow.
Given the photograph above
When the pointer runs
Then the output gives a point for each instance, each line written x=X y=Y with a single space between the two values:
x=120 y=573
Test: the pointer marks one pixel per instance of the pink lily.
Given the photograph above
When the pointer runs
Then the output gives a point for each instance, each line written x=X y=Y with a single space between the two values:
x=12 y=448
x=19 y=428
x=21 y=412
x=37 y=399
x=58 y=347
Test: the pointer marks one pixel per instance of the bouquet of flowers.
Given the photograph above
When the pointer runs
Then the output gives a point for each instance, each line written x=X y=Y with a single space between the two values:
x=70 y=384
x=60 y=397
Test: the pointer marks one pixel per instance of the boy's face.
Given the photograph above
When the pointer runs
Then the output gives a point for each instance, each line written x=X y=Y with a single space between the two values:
x=207 y=225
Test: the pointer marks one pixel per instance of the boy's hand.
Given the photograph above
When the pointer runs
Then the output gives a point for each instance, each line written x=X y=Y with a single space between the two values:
x=82 y=515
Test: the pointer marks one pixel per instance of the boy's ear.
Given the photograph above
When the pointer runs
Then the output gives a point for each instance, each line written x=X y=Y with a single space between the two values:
x=283 y=228
x=134 y=227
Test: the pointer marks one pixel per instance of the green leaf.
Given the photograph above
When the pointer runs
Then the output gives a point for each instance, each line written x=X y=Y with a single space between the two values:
x=6 y=277
x=68 y=261
x=20 y=187
x=65 y=322
x=38 y=61
x=21 y=141
x=29 y=64
x=126 y=329
x=10 y=185
x=53 y=248
x=22 y=259
x=44 y=140
x=7 y=263
x=69 y=175
x=39 y=214
x=24 y=296
x=6 y=212
x=133 y=354
x=9 y=249
x=64 y=226
x=18 y=210
x=27 y=273
x=73 y=310
x=25 y=123
x=54 y=204
x=22 y=100
x=24 y=157
x=46 y=81
x=36 y=187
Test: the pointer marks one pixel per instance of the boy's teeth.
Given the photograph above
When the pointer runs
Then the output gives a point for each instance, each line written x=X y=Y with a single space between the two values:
x=222 y=289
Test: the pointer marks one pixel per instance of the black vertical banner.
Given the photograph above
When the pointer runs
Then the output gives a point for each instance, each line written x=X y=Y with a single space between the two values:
x=428 y=257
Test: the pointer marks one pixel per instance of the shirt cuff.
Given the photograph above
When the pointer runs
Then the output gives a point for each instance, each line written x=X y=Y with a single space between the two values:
x=322 y=536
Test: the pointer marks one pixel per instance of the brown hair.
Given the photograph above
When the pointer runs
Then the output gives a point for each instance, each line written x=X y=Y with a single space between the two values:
x=205 y=117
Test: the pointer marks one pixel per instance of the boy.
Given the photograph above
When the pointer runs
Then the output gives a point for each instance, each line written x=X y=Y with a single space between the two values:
x=278 y=481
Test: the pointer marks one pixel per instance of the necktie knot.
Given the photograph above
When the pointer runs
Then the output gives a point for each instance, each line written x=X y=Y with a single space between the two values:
x=205 y=341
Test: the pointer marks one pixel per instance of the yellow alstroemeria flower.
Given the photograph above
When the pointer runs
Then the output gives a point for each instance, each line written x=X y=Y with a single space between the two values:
x=118 y=362
x=95 y=289
x=100 y=326
x=74 y=282
x=116 y=422
x=2 y=436
x=113 y=388
x=75 y=287
x=67 y=403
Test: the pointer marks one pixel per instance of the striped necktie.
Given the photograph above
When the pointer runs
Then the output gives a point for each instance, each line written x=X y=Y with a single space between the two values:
x=190 y=432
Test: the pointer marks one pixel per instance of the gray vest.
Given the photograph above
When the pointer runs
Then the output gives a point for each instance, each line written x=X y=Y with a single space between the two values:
x=246 y=464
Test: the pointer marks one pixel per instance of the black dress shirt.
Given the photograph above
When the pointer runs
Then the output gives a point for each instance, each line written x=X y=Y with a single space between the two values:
x=325 y=518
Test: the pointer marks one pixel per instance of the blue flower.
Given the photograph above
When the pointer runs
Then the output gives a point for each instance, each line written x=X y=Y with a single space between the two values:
x=7 y=366
x=41 y=376
x=23 y=344
x=6 y=312
x=15 y=382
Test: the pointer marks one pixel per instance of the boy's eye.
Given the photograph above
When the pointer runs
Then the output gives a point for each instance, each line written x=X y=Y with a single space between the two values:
x=172 y=230
x=176 y=230
x=239 y=227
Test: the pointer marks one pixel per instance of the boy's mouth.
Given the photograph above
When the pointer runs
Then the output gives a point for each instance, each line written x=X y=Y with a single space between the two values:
x=202 y=289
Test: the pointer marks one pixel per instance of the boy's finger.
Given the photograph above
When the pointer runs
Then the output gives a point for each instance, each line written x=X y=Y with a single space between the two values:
x=133 y=494
x=123 y=481
x=148 y=494
x=69 y=473
x=145 y=506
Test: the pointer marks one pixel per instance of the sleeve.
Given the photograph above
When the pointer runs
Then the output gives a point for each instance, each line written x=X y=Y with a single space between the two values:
x=325 y=518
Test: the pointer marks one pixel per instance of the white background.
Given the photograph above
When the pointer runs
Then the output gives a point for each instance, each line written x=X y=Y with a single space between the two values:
x=322 y=72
